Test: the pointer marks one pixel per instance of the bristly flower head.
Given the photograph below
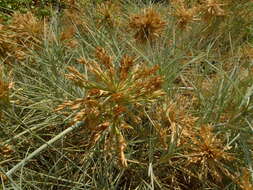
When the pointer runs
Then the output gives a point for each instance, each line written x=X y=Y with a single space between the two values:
x=147 y=25
x=212 y=8
x=24 y=32
x=185 y=16
x=113 y=91
x=208 y=152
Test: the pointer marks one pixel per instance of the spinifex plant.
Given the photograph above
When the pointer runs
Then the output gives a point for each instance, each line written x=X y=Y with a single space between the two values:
x=113 y=93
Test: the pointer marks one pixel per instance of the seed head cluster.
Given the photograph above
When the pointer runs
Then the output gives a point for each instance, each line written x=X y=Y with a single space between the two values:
x=112 y=90
x=147 y=25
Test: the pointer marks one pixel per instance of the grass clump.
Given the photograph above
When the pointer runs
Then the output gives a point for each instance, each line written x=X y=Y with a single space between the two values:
x=154 y=96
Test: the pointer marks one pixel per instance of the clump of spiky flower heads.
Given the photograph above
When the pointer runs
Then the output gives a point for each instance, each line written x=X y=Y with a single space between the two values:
x=147 y=25
x=208 y=155
x=25 y=32
x=196 y=153
x=113 y=91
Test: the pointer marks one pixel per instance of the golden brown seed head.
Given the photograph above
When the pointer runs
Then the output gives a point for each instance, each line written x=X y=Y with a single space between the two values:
x=147 y=25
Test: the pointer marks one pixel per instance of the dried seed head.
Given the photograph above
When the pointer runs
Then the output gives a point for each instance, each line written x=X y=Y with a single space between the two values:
x=154 y=83
x=78 y=78
x=126 y=64
x=27 y=24
x=147 y=25
x=82 y=60
x=94 y=92
x=24 y=32
x=103 y=57
x=118 y=110
x=145 y=72
x=212 y=8
x=208 y=151
x=105 y=60
x=109 y=98
x=185 y=16
x=121 y=148
x=68 y=33
x=117 y=97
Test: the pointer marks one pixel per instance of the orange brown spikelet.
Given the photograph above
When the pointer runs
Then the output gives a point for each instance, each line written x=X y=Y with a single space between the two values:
x=106 y=60
x=74 y=75
x=145 y=71
x=126 y=64
x=81 y=60
x=94 y=92
x=155 y=83
x=118 y=110
x=75 y=72
x=117 y=97
x=121 y=148
x=103 y=57
x=97 y=131
x=87 y=109
x=67 y=37
x=171 y=119
x=147 y=25
x=72 y=44
x=150 y=86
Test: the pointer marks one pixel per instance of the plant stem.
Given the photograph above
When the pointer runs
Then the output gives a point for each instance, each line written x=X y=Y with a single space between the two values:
x=44 y=146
